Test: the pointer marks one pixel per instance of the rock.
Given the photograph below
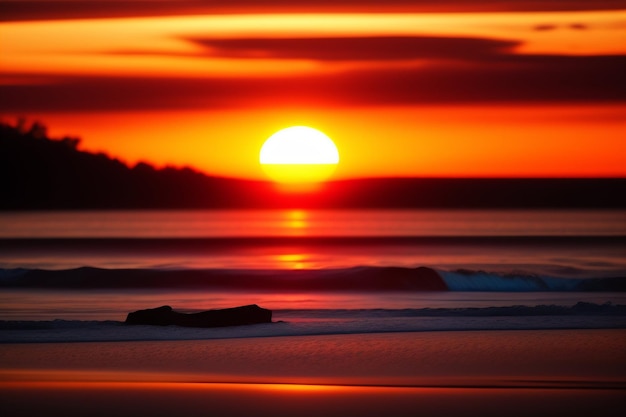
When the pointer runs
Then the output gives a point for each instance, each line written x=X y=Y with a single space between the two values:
x=236 y=316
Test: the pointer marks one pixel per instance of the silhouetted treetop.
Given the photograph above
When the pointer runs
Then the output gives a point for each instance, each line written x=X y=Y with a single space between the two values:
x=41 y=172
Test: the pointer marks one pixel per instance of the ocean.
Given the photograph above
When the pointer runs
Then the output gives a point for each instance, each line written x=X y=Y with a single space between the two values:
x=73 y=276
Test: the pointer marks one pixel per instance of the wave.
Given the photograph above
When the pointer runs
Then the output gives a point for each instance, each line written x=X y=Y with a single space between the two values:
x=358 y=279
x=466 y=280
x=581 y=308
x=332 y=322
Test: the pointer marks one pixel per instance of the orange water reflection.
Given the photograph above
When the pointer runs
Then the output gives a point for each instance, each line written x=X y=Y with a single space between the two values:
x=193 y=399
x=297 y=221
x=296 y=239
x=293 y=261
x=314 y=223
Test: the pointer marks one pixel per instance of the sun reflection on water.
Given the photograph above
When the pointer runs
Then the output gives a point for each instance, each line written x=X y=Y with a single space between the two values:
x=296 y=222
x=292 y=261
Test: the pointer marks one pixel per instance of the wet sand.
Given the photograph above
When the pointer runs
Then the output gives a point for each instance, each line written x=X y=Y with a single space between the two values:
x=432 y=373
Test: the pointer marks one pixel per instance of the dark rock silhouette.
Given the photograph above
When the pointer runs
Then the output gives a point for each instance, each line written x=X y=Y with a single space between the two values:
x=236 y=316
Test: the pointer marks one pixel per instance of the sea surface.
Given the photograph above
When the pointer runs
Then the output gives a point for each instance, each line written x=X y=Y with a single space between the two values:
x=73 y=276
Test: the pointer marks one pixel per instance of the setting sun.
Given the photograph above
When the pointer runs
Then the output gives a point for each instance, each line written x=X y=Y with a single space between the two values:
x=299 y=154
x=312 y=207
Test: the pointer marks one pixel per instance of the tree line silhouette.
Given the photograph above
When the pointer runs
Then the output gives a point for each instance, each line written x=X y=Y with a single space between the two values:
x=39 y=172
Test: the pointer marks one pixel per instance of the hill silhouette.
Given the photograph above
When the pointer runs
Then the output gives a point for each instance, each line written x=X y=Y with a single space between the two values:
x=39 y=172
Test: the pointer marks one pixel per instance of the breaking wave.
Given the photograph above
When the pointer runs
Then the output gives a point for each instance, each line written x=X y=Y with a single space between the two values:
x=364 y=279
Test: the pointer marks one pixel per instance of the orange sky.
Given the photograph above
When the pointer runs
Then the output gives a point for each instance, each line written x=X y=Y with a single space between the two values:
x=403 y=88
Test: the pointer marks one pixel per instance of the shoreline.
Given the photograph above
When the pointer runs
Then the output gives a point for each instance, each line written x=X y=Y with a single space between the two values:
x=517 y=373
x=440 y=358
x=200 y=399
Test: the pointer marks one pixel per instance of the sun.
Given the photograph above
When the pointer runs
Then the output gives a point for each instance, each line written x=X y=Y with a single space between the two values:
x=299 y=155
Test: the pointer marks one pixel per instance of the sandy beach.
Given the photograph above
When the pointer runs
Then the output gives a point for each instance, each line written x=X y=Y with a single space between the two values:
x=448 y=373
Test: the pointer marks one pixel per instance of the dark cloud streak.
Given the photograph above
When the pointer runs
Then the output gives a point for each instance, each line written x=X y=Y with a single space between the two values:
x=358 y=48
x=16 y=10
x=514 y=78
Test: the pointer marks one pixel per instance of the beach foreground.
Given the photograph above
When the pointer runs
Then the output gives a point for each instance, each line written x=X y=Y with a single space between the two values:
x=578 y=372
x=189 y=399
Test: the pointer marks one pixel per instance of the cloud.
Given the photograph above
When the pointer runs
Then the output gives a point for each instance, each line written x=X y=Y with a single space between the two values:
x=513 y=79
x=549 y=27
x=13 y=10
x=96 y=93
x=378 y=48
x=510 y=78
x=545 y=27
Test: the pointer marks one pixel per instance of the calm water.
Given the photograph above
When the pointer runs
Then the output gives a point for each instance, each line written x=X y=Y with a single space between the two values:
x=551 y=243
x=313 y=223
x=556 y=242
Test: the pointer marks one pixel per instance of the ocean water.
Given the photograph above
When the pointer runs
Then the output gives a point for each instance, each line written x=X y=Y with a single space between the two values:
x=73 y=276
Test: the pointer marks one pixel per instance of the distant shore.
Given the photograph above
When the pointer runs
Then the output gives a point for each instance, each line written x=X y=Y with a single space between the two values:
x=34 y=161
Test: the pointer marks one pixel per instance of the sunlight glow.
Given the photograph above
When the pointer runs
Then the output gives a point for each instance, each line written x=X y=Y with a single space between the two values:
x=299 y=154
x=292 y=261
x=299 y=145
x=402 y=137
